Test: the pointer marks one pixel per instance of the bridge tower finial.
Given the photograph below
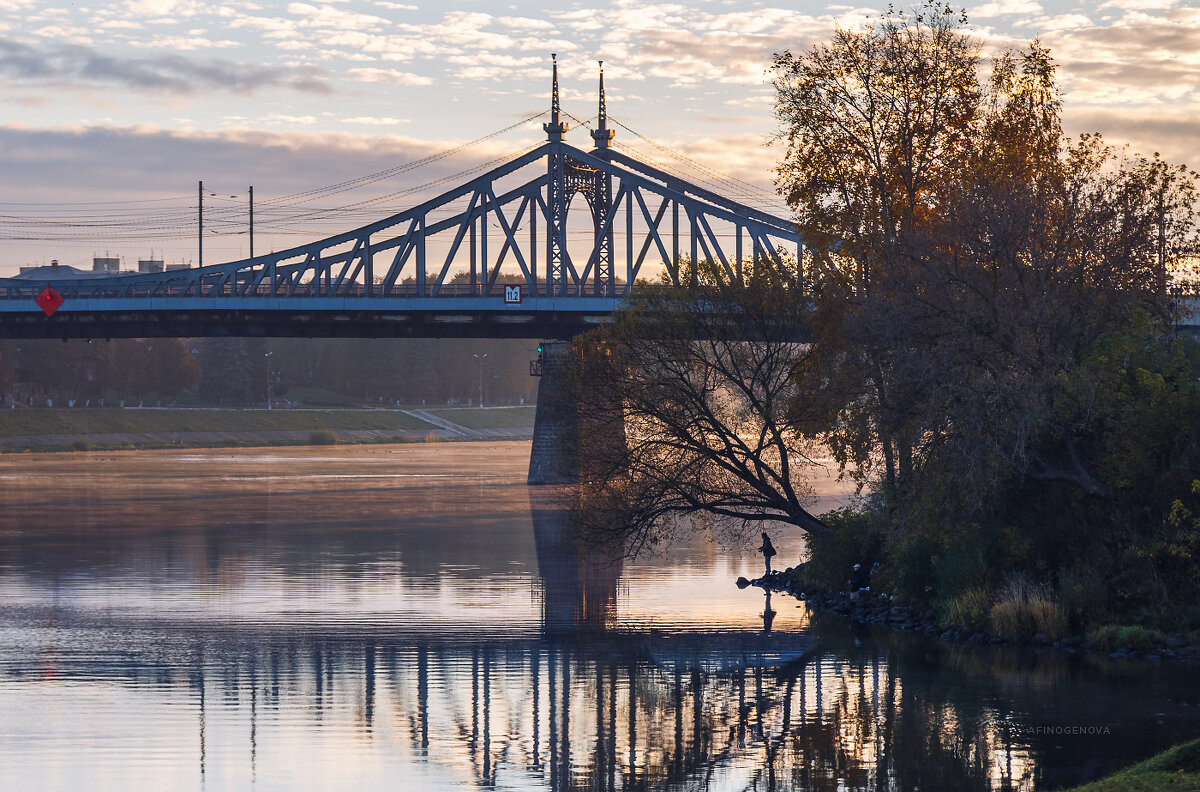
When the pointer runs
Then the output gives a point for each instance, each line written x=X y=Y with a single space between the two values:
x=602 y=134
x=556 y=128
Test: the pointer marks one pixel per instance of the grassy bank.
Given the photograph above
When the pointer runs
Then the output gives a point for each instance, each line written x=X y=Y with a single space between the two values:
x=489 y=418
x=37 y=422
x=115 y=428
x=1177 y=770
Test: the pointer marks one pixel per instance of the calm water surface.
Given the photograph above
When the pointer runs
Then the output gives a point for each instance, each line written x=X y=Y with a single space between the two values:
x=415 y=617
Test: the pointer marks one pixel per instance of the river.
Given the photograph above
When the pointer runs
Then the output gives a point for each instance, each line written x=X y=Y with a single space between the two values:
x=416 y=617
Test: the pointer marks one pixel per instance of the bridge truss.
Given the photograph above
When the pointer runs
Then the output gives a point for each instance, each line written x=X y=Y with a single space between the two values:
x=402 y=264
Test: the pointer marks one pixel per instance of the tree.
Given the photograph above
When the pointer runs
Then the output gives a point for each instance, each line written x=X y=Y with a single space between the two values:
x=972 y=268
x=228 y=366
x=995 y=319
x=874 y=121
x=701 y=383
x=971 y=253
x=174 y=367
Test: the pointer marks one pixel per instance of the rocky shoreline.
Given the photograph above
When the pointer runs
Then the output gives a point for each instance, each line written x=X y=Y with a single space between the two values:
x=868 y=608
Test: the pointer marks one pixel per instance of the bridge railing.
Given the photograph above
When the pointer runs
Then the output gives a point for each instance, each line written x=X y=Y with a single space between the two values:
x=84 y=289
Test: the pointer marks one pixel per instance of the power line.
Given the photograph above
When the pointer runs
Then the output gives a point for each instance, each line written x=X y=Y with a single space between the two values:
x=80 y=220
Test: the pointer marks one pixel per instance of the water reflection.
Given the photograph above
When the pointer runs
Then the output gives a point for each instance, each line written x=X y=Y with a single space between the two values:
x=592 y=713
x=577 y=579
x=231 y=626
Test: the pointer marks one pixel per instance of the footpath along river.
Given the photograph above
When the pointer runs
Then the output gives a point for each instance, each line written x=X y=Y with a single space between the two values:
x=416 y=617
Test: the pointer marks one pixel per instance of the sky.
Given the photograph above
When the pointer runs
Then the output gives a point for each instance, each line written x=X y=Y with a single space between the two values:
x=111 y=112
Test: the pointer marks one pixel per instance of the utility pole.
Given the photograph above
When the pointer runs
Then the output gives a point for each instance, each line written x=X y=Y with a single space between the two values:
x=267 y=357
x=200 y=224
x=1162 y=239
x=251 y=221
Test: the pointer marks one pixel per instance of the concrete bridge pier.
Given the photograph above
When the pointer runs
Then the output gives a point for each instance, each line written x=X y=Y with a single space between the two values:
x=571 y=442
x=555 y=455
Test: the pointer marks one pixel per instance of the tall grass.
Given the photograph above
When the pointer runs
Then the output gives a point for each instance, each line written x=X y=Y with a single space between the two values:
x=969 y=609
x=1024 y=609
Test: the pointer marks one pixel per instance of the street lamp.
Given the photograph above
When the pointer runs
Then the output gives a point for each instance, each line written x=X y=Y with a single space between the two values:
x=267 y=357
x=480 y=359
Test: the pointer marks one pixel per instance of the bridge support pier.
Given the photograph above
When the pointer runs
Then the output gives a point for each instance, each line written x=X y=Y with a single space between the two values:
x=555 y=455
x=572 y=442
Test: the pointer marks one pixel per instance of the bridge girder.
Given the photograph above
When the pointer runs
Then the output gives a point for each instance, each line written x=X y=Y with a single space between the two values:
x=412 y=253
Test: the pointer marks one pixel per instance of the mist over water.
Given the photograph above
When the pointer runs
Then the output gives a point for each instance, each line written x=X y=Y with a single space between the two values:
x=416 y=617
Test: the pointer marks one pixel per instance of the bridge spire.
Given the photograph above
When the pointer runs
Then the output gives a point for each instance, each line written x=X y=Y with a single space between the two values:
x=602 y=134
x=556 y=127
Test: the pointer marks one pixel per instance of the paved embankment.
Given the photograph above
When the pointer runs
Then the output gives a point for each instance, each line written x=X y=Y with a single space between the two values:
x=456 y=430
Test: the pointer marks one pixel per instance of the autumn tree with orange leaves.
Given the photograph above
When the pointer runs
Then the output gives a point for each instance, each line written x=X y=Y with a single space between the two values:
x=991 y=307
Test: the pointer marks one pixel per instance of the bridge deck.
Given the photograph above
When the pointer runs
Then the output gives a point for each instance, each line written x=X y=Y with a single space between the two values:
x=315 y=317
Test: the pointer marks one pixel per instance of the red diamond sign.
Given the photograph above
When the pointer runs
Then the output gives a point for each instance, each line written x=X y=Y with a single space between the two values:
x=49 y=300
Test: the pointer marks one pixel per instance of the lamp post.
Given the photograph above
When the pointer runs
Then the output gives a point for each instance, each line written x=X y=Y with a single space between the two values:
x=267 y=357
x=480 y=359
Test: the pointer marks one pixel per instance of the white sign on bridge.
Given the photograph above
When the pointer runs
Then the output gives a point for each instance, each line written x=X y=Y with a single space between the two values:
x=512 y=294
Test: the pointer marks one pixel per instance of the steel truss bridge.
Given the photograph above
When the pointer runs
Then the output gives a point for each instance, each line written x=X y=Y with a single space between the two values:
x=385 y=279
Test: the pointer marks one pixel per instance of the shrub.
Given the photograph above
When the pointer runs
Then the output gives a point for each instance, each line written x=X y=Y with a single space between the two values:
x=852 y=539
x=322 y=437
x=83 y=444
x=968 y=609
x=1115 y=636
x=1048 y=617
x=913 y=563
x=1024 y=609
x=1011 y=620
x=1083 y=595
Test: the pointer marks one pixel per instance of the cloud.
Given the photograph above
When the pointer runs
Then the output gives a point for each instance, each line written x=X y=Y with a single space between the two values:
x=1005 y=8
x=372 y=121
x=1136 y=61
x=103 y=163
x=388 y=76
x=1141 y=5
x=1172 y=133
x=525 y=23
x=159 y=73
x=330 y=18
x=166 y=9
x=122 y=24
x=690 y=47
x=290 y=120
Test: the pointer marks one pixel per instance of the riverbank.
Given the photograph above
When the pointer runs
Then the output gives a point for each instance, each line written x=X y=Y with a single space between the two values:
x=74 y=429
x=1177 y=770
x=867 y=607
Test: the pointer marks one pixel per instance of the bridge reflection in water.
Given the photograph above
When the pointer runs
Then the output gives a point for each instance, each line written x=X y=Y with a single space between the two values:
x=586 y=712
x=585 y=704
x=265 y=641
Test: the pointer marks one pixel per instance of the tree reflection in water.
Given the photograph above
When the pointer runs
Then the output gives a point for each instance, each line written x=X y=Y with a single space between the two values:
x=615 y=712
x=586 y=706
x=391 y=674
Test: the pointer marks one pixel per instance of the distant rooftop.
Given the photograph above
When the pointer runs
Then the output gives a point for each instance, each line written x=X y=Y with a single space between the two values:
x=56 y=272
